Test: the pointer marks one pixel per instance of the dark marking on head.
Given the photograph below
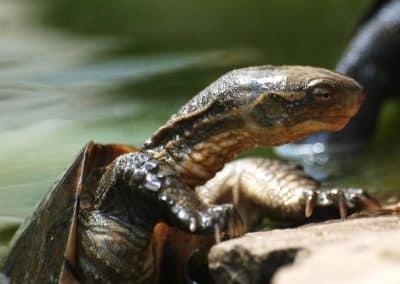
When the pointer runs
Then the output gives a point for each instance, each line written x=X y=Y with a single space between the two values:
x=263 y=105
x=268 y=110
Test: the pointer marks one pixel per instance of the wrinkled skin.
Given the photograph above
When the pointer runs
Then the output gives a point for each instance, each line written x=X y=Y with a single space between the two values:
x=125 y=205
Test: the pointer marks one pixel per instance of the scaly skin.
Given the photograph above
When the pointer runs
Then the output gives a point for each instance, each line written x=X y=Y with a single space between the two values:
x=261 y=187
x=244 y=109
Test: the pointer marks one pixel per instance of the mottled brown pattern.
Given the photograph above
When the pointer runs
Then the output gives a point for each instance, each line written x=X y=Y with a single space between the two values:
x=101 y=217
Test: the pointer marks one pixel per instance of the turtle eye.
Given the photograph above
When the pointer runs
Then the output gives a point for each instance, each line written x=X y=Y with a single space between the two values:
x=322 y=93
x=321 y=90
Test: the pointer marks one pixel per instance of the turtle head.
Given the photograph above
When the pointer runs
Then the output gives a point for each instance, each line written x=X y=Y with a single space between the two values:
x=273 y=105
x=291 y=102
x=251 y=107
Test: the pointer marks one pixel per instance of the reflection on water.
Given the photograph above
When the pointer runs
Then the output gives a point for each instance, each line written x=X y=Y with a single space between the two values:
x=55 y=97
x=59 y=90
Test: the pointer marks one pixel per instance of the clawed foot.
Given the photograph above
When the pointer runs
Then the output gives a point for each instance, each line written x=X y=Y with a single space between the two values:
x=223 y=220
x=343 y=198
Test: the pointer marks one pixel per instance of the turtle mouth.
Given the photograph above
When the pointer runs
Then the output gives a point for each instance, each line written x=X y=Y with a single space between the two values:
x=336 y=123
x=356 y=104
x=339 y=120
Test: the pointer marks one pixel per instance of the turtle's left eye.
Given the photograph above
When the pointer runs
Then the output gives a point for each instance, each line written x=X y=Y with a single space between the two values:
x=322 y=93
x=322 y=90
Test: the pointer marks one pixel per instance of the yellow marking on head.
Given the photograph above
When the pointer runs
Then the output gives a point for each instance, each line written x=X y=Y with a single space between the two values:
x=292 y=96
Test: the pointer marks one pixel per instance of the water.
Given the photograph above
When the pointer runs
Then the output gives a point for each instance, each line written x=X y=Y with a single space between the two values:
x=73 y=71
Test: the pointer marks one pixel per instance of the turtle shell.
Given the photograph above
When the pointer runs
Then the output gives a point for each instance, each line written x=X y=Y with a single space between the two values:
x=44 y=248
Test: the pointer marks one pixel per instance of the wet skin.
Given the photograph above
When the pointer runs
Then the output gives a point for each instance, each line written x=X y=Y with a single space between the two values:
x=170 y=179
x=247 y=108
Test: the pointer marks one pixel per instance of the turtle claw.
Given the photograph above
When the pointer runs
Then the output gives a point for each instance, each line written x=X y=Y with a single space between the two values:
x=345 y=199
x=235 y=226
x=310 y=203
x=341 y=204
x=191 y=215
x=223 y=220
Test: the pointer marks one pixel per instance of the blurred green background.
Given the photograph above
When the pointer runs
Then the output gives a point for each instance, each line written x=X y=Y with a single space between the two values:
x=113 y=71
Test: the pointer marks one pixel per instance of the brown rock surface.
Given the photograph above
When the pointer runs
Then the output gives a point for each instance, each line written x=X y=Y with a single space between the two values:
x=365 y=250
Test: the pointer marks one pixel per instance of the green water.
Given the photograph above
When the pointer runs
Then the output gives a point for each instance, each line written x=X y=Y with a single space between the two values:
x=72 y=71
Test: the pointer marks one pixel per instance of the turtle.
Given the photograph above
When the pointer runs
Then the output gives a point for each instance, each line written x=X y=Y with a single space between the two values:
x=115 y=209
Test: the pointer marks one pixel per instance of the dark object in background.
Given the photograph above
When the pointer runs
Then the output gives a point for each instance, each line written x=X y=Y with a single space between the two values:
x=373 y=59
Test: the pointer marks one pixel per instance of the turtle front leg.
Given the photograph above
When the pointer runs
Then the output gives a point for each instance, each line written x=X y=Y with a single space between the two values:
x=186 y=211
x=261 y=187
x=136 y=192
x=156 y=182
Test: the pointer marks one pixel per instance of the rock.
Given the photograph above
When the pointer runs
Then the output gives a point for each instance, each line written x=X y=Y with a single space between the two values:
x=367 y=260
x=364 y=250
